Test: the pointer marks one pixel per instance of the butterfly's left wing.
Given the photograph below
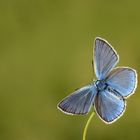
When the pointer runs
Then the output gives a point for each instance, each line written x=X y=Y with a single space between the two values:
x=105 y=58
x=80 y=101
x=109 y=105
x=123 y=80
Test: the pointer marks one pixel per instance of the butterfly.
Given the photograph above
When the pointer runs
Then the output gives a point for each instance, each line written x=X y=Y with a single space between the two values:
x=109 y=92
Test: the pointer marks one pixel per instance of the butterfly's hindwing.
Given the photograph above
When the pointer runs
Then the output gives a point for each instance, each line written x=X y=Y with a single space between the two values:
x=109 y=106
x=123 y=80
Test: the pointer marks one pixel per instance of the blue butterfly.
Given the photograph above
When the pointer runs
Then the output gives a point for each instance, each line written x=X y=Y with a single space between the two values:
x=107 y=94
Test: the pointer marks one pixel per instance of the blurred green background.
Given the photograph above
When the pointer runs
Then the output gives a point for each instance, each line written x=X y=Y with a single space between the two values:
x=46 y=52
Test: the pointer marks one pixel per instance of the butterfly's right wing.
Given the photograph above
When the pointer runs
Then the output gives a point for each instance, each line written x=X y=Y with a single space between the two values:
x=123 y=80
x=105 y=58
x=80 y=101
x=109 y=105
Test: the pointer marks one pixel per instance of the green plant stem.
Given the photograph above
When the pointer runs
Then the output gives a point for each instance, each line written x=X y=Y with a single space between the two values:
x=86 y=126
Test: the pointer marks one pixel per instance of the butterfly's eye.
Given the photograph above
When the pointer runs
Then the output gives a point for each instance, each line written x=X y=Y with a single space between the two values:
x=109 y=89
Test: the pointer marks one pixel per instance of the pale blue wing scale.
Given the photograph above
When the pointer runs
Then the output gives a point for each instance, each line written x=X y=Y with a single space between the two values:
x=109 y=106
x=123 y=80
x=105 y=58
x=80 y=101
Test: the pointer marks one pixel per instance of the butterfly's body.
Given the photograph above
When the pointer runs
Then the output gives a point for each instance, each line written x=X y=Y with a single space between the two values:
x=109 y=92
x=101 y=85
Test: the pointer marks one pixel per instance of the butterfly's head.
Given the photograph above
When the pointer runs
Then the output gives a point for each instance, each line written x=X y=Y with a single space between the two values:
x=100 y=84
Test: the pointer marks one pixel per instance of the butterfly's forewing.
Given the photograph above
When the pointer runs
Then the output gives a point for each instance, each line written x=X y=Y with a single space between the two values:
x=109 y=106
x=80 y=101
x=123 y=80
x=105 y=58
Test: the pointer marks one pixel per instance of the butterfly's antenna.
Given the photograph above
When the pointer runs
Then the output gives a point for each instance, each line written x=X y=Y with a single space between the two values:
x=92 y=63
x=92 y=67
x=93 y=71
